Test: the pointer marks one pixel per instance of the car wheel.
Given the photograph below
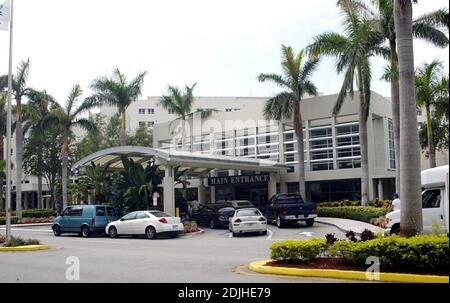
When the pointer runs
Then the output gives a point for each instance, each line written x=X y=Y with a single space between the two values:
x=264 y=233
x=280 y=222
x=112 y=232
x=56 y=230
x=212 y=224
x=150 y=233
x=85 y=232
x=309 y=222
x=235 y=235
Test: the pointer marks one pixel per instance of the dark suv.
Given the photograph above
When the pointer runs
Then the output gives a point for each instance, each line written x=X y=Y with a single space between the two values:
x=214 y=215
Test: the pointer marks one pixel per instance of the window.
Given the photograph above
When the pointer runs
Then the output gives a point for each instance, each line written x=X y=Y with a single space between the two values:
x=321 y=143
x=349 y=163
x=227 y=110
x=248 y=213
x=141 y=124
x=391 y=146
x=290 y=147
x=347 y=129
x=321 y=132
x=322 y=154
x=111 y=211
x=348 y=152
x=289 y=137
x=66 y=211
x=328 y=191
x=141 y=111
x=159 y=214
x=76 y=211
x=419 y=113
x=171 y=111
x=130 y=216
x=322 y=165
x=289 y=158
x=431 y=199
x=151 y=123
x=100 y=211
x=150 y=111
x=354 y=140
x=142 y=215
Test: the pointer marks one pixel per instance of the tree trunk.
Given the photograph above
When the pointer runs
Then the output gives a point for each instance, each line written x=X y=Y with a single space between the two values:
x=64 y=178
x=123 y=133
x=39 y=193
x=431 y=147
x=183 y=134
x=410 y=187
x=395 y=100
x=298 y=125
x=19 y=156
x=2 y=201
x=364 y=156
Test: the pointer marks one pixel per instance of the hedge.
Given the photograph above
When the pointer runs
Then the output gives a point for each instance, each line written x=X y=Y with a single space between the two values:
x=34 y=213
x=359 y=213
x=294 y=250
x=429 y=252
x=374 y=203
x=3 y=220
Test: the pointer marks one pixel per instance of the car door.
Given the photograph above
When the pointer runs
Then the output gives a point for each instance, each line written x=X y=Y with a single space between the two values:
x=433 y=210
x=124 y=227
x=101 y=220
x=64 y=222
x=270 y=210
x=139 y=225
x=76 y=217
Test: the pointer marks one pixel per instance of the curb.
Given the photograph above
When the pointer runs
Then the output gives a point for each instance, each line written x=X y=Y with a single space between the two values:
x=28 y=225
x=25 y=248
x=200 y=231
x=260 y=267
x=334 y=225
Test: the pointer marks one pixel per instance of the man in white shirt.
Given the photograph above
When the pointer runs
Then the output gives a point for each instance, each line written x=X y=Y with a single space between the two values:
x=396 y=203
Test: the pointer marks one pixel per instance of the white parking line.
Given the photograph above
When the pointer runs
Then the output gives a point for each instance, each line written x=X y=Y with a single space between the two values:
x=270 y=234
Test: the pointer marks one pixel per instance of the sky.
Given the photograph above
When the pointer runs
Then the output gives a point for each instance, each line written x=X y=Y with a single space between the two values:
x=221 y=45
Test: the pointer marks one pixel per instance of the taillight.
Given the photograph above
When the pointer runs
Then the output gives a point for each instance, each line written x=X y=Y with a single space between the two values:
x=262 y=219
x=163 y=220
x=285 y=210
x=222 y=217
x=237 y=221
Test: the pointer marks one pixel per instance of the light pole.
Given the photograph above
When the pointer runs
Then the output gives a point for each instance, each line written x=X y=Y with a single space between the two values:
x=8 y=132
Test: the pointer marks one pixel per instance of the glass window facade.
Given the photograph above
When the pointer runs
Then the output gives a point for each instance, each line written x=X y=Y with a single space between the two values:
x=391 y=147
x=329 y=191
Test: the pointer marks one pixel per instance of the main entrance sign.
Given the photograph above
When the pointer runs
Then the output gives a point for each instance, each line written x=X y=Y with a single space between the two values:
x=234 y=180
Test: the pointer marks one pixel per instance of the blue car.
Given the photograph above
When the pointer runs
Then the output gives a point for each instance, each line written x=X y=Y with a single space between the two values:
x=84 y=220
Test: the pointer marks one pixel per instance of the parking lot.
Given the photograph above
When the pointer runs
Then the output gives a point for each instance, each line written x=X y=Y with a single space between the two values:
x=212 y=256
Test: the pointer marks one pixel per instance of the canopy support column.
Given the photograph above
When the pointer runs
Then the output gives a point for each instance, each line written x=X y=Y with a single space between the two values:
x=273 y=185
x=169 y=191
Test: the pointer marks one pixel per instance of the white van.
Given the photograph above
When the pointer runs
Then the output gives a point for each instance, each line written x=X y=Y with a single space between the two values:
x=435 y=182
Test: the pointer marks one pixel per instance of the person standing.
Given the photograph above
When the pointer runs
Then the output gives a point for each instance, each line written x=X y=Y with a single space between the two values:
x=396 y=203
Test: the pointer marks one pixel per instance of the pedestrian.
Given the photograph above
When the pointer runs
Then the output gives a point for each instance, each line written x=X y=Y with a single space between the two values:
x=194 y=207
x=396 y=203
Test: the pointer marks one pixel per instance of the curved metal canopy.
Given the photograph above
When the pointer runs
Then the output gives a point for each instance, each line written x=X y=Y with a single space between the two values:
x=198 y=163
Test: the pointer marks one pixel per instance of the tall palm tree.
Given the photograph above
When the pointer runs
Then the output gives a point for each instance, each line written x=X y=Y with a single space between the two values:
x=411 y=222
x=70 y=116
x=353 y=52
x=35 y=112
x=117 y=91
x=296 y=82
x=181 y=104
x=428 y=80
x=427 y=28
x=19 y=90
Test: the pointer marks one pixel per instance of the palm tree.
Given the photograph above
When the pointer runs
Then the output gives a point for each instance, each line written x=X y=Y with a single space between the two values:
x=181 y=104
x=428 y=79
x=426 y=27
x=68 y=117
x=353 y=52
x=296 y=81
x=19 y=90
x=95 y=178
x=35 y=112
x=411 y=215
x=117 y=91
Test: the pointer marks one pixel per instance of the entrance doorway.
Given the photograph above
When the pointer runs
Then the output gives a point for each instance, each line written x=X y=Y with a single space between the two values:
x=257 y=194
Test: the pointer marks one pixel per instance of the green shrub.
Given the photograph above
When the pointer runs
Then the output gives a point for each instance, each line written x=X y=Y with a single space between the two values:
x=21 y=242
x=339 y=203
x=34 y=213
x=298 y=250
x=359 y=213
x=429 y=252
x=3 y=220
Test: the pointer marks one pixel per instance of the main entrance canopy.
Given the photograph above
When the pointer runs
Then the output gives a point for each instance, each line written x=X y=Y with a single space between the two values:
x=198 y=165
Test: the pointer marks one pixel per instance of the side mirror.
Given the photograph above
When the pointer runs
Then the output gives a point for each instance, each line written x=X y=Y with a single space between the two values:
x=121 y=219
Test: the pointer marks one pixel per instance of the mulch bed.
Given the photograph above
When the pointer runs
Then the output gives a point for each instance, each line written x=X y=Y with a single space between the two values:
x=340 y=264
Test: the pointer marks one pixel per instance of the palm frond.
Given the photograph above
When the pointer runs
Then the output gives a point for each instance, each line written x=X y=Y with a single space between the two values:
x=439 y=18
x=274 y=78
x=346 y=88
x=430 y=34
x=279 y=107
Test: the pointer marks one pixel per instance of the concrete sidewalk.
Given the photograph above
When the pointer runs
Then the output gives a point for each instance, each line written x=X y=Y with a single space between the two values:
x=28 y=225
x=346 y=225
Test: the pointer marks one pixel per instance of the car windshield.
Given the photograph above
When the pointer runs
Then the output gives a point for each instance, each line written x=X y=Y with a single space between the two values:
x=248 y=213
x=294 y=199
x=243 y=204
x=160 y=214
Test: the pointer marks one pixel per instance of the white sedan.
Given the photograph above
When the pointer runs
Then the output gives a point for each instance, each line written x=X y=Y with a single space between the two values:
x=247 y=220
x=148 y=223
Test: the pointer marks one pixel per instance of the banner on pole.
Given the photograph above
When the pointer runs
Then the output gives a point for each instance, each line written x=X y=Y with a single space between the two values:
x=5 y=15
